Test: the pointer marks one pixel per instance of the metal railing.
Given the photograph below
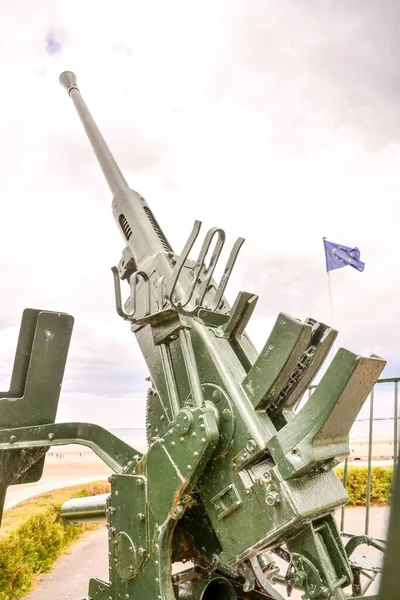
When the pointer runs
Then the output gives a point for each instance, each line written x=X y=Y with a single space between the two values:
x=371 y=419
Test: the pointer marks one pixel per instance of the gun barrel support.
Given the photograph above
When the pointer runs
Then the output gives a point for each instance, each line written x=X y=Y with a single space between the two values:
x=89 y=509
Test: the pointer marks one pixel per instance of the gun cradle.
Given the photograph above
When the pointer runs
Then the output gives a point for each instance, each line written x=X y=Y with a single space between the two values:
x=233 y=472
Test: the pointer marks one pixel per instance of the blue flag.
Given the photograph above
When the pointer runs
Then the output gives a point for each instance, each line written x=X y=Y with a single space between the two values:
x=338 y=256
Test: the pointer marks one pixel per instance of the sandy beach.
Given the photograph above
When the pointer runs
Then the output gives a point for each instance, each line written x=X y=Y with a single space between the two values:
x=64 y=466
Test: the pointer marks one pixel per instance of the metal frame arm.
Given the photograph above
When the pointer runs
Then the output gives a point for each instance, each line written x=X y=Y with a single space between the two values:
x=117 y=454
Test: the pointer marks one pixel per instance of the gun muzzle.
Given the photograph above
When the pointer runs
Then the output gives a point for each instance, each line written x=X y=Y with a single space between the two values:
x=207 y=589
x=68 y=81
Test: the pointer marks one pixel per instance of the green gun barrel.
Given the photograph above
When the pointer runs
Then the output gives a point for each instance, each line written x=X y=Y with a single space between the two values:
x=79 y=510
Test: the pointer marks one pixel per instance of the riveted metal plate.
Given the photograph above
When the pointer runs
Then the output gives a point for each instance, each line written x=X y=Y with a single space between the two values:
x=219 y=400
x=128 y=524
x=125 y=555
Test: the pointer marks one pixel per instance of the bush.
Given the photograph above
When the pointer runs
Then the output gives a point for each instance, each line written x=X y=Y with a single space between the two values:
x=381 y=484
x=33 y=535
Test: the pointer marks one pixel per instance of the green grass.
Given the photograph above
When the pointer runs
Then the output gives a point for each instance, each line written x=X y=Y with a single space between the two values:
x=33 y=536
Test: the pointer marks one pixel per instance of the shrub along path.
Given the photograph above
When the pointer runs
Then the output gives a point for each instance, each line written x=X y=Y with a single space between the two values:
x=33 y=536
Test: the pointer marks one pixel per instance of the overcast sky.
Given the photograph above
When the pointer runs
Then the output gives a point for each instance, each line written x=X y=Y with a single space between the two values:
x=278 y=121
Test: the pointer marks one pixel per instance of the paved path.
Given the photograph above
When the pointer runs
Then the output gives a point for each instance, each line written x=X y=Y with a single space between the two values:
x=71 y=573
x=88 y=558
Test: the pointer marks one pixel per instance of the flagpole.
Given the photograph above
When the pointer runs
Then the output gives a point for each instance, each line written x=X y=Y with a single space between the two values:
x=331 y=304
x=330 y=298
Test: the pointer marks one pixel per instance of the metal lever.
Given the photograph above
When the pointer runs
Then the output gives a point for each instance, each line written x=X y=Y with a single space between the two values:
x=206 y=284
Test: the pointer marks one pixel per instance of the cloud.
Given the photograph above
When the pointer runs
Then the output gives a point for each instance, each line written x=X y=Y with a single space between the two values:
x=103 y=410
x=276 y=121
x=339 y=63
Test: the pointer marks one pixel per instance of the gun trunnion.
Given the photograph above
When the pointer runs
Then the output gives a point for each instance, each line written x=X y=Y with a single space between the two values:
x=235 y=477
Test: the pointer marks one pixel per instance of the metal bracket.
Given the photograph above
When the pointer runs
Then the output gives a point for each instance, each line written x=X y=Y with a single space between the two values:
x=118 y=455
x=226 y=501
x=240 y=314
x=127 y=511
x=133 y=282
x=202 y=274
x=34 y=392
x=263 y=580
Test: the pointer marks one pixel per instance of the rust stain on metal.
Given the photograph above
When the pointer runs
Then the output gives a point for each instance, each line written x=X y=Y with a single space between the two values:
x=179 y=493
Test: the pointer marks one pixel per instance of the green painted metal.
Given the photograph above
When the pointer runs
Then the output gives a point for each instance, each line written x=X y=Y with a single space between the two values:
x=234 y=478
x=76 y=510
x=118 y=455
x=390 y=582
x=34 y=392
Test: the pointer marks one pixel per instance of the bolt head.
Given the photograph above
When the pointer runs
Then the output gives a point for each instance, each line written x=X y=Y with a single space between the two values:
x=216 y=395
x=251 y=446
x=273 y=498
x=226 y=415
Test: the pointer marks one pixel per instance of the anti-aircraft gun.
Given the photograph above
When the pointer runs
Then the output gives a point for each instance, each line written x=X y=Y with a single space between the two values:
x=236 y=479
